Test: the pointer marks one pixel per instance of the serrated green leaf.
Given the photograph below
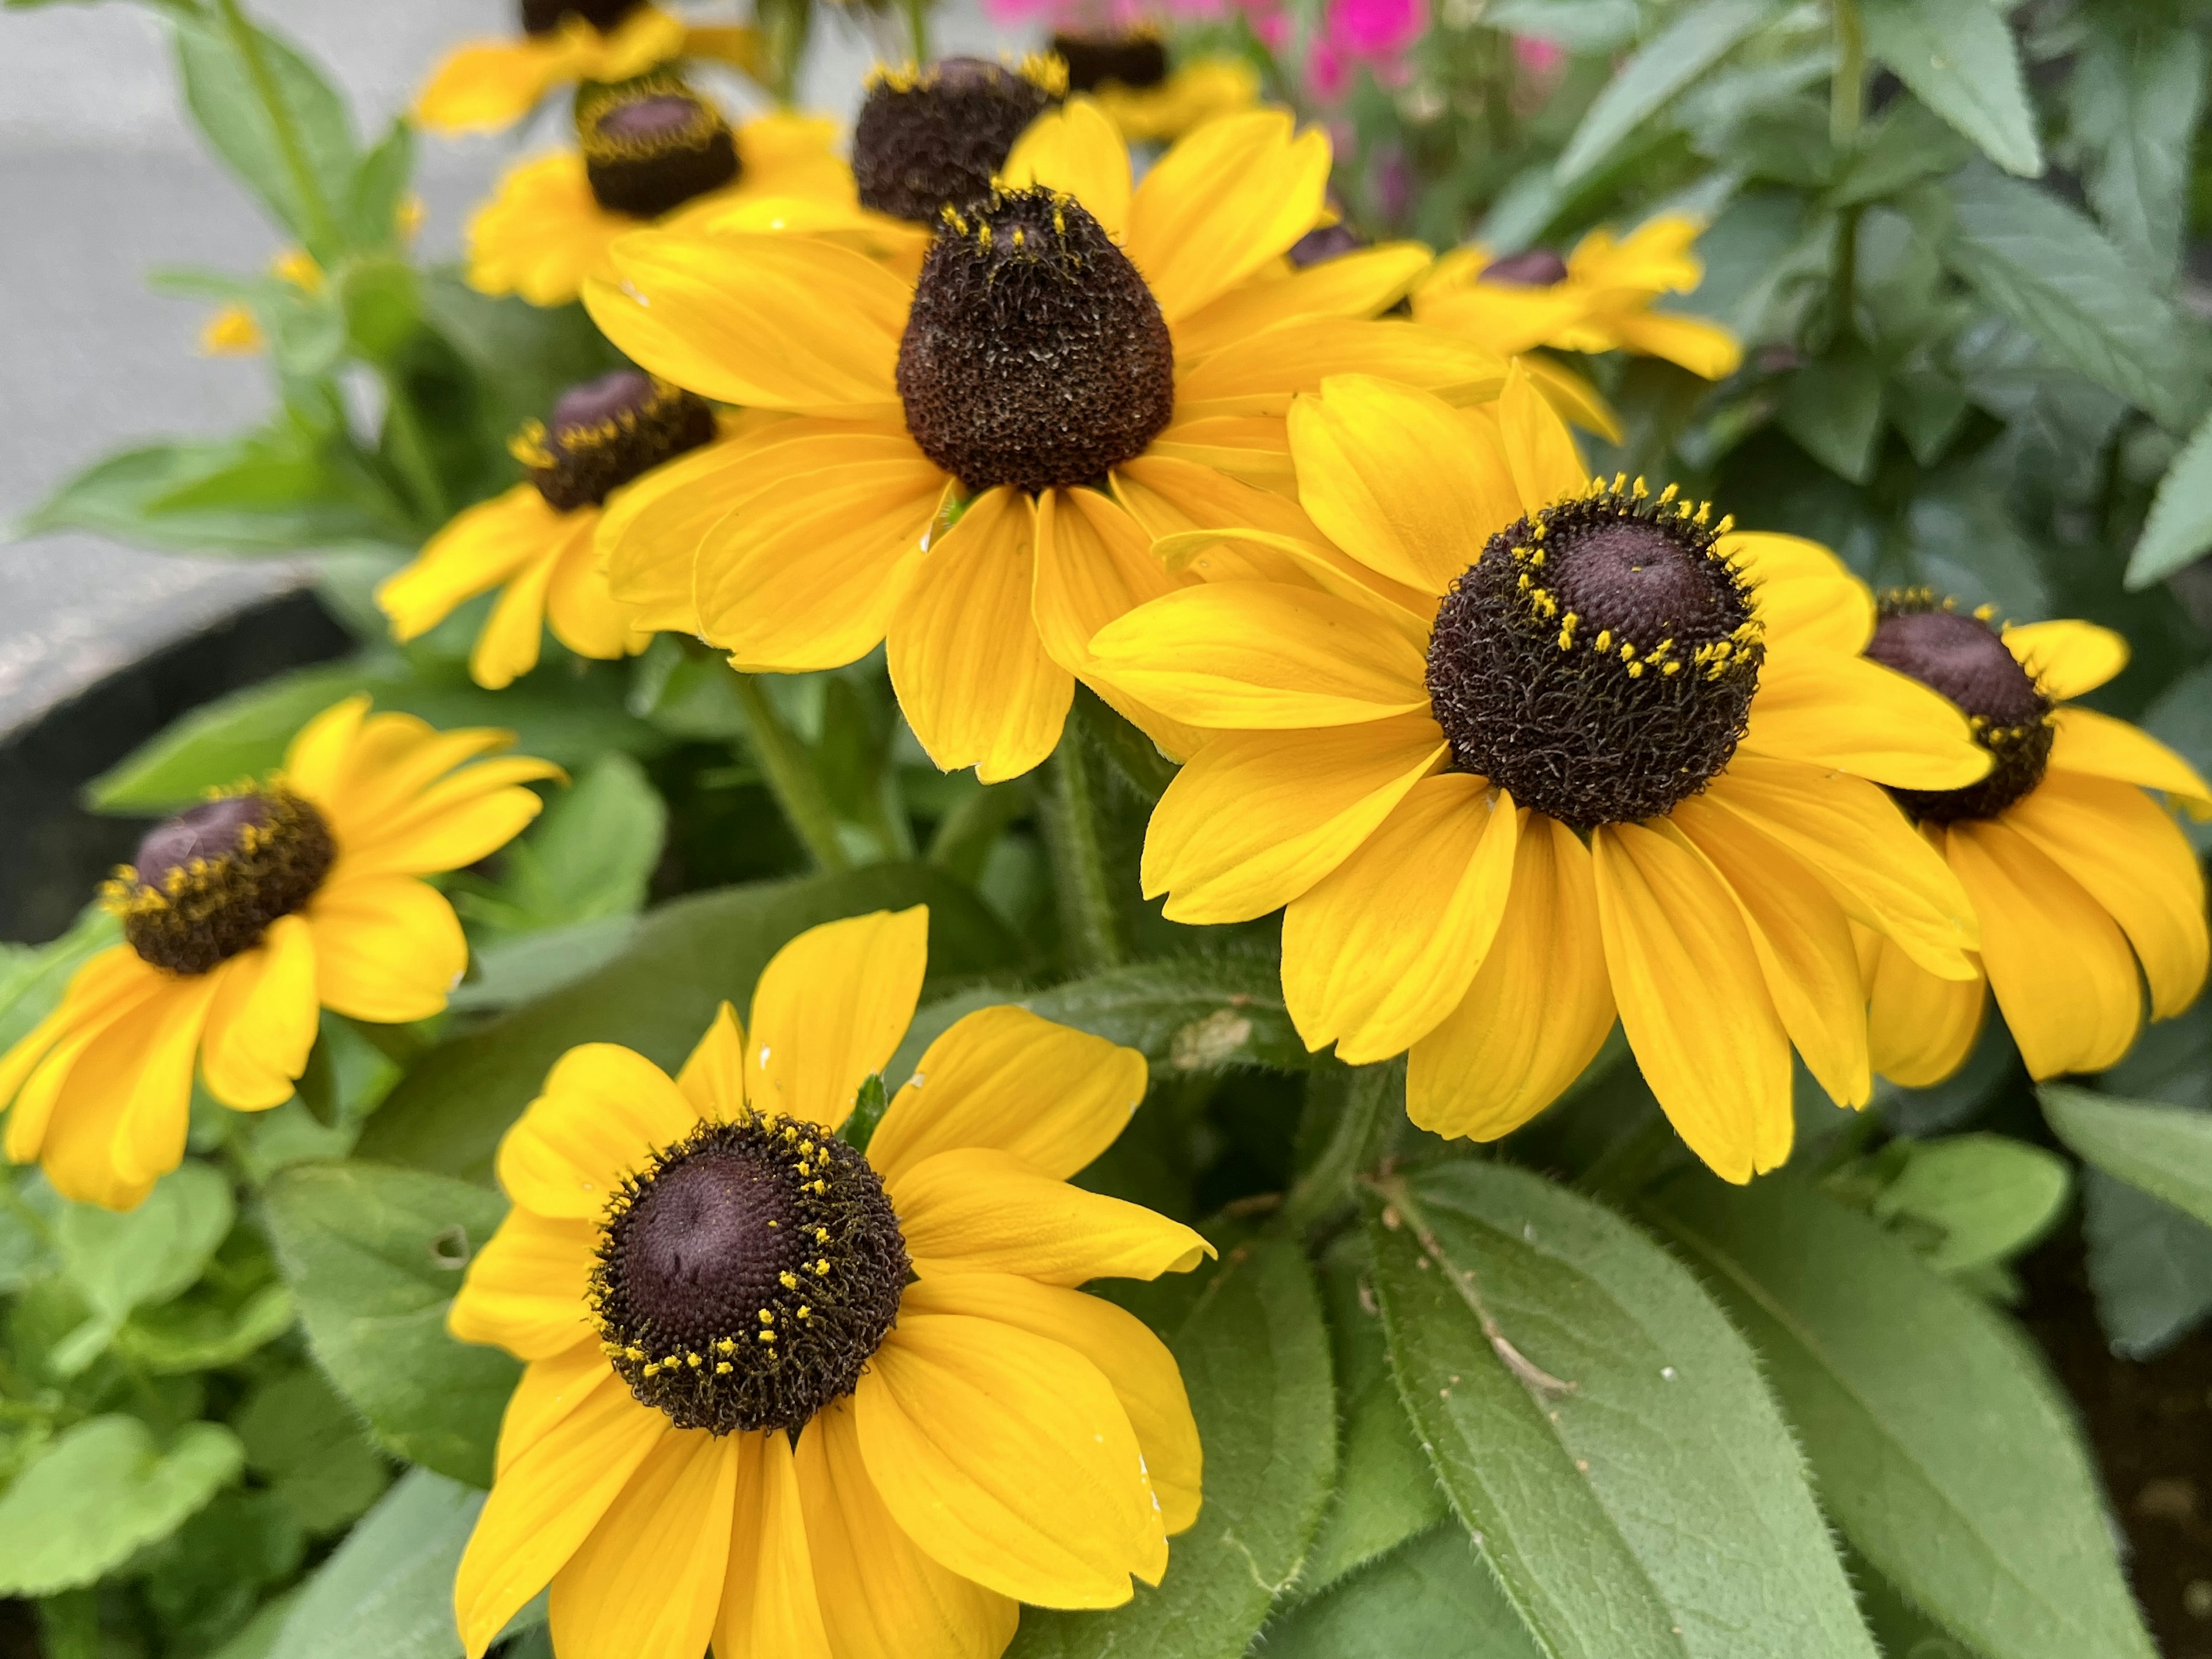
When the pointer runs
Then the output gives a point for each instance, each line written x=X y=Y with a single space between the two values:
x=1833 y=409
x=1960 y=59
x=1671 y=60
x=1940 y=1447
x=1599 y=1426
x=103 y=1491
x=1185 y=1014
x=1255 y=1357
x=2149 y=1264
x=657 y=997
x=2165 y=1150
x=388 y=1590
x=374 y=1256
x=1991 y=1197
x=2136 y=94
x=2046 y=266
x=1434 y=1597
x=2179 y=528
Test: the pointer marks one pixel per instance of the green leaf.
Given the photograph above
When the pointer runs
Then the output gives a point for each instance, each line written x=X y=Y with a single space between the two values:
x=658 y=997
x=2042 y=264
x=1938 y=1445
x=523 y=967
x=1958 y=57
x=1185 y=1014
x=588 y=856
x=1671 y=60
x=138 y=1258
x=1255 y=1357
x=103 y=1491
x=2165 y=1150
x=198 y=1334
x=2150 y=1266
x=379 y=189
x=1989 y=1197
x=1599 y=1426
x=388 y=1589
x=2136 y=95
x=2180 y=528
x=374 y=1256
x=311 y=1449
x=1434 y=1598
x=524 y=355
x=1833 y=409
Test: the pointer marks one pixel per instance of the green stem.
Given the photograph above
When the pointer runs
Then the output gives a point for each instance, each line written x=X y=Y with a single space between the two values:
x=322 y=229
x=410 y=452
x=917 y=29
x=1847 y=92
x=790 y=779
x=1360 y=1130
x=1068 y=804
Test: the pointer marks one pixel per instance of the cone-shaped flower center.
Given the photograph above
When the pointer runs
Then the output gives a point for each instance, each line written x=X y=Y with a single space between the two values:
x=744 y=1278
x=1135 y=61
x=606 y=432
x=544 y=17
x=1034 y=356
x=1538 y=268
x=207 y=883
x=1599 y=660
x=1967 y=659
x=652 y=145
x=933 y=138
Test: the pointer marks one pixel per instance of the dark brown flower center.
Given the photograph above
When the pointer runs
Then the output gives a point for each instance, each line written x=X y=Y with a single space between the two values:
x=1034 y=356
x=1967 y=660
x=1599 y=660
x=544 y=17
x=744 y=1278
x=652 y=145
x=606 y=432
x=207 y=883
x=1538 y=268
x=1135 y=61
x=932 y=138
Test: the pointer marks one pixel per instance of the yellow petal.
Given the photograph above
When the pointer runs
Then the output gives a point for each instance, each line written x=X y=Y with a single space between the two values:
x=1075 y=149
x=483 y=547
x=117 y=1098
x=1803 y=593
x=2067 y=659
x=456 y=821
x=1920 y=1029
x=105 y=988
x=1506 y=319
x=1255 y=819
x=1224 y=201
x=1853 y=713
x=973 y=677
x=581 y=609
x=263 y=1022
x=1166 y=495
x=1538 y=1010
x=542 y=233
x=979 y=1210
x=1539 y=448
x=315 y=761
x=2101 y=747
x=508 y=648
x=549 y=1394
x=713 y=1077
x=486 y=85
x=1260 y=373
x=829 y=1009
x=647 y=1582
x=525 y=1285
x=388 y=948
x=1009 y=1459
x=1704 y=349
x=149 y=1137
x=1363 y=283
x=770 y=1607
x=1007 y=1078
x=881 y=1597
x=1693 y=999
x=1381 y=949
x=605 y=1111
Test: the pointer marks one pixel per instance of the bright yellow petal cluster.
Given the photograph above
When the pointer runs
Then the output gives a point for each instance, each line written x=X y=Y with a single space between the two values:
x=1196 y=91
x=101 y=1089
x=486 y=85
x=1012 y=1440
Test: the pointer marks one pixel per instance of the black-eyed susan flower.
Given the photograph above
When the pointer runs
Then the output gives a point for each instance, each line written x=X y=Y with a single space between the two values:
x=2076 y=874
x=797 y=1399
x=1539 y=748
x=983 y=454
x=934 y=135
x=485 y=85
x=1149 y=99
x=536 y=543
x=652 y=150
x=244 y=916
x=1597 y=298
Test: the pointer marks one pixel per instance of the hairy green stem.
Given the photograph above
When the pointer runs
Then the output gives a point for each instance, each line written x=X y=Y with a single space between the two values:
x=1068 y=804
x=322 y=228
x=1361 y=1130
x=790 y=779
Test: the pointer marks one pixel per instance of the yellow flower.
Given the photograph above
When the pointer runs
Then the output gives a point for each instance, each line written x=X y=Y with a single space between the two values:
x=2076 y=873
x=488 y=84
x=535 y=542
x=1597 y=298
x=550 y=222
x=1538 y=749
x=793 y=1399
x=242 y=917
x=942 y=484
x=1147 y=100
x=232 y=332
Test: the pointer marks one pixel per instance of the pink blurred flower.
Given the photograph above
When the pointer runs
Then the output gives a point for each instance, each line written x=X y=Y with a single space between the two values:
x=1375 y=33
x=1540 y=56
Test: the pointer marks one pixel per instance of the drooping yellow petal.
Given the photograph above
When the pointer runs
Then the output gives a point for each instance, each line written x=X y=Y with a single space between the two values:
x=1076 y=150
x=117 y=1097
x=1803 y=593
x=1920 y=1029
x=1704 y=349
x=1538 y=1008
x=1007 y=1078
x=973 y=677
x=483 y=546
x=2101 y=747
x=882 y=1597
x=1505 y=319
x=1381 y=949
x=508 y=646
x=549 y=1394
x=487 y=85
x=1695 y=1006
x=976 y=1209
x=105 y=988
x=1222 y=203
x=263 y=1022
x=830 y=1008
x=388 y=948
x=605 y=1110
x=581 y=609
x=771 y=1604
x=525 y=1285
x=1008 y=1458
x=1144 y=1376
x=2067 y=659
x=2059 y=966
x=1254 y=819
x=1853 y=713
x=713 y=1076
x=149 y=1137
x=647 y=1582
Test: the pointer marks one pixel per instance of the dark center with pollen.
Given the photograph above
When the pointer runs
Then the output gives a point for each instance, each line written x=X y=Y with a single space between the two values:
x=1967 y=659
x=207 y=883
x=1135 y=61
x=1538 y=268
x=935 y=137
x=652 y=145
x=744 y=1278
x=1034 y=354
x=606 y=432
x=1599 y=660
x=544 y=17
